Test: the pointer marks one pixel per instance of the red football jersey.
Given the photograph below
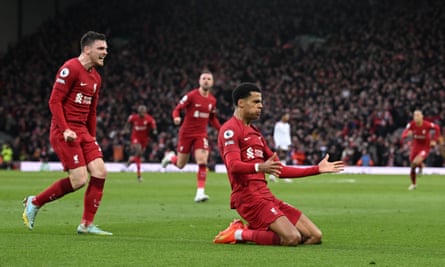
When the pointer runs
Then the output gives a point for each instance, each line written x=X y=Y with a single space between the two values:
x=199 y=111
x=141 y=126
x=422 y=134
x=74 y=96
x=247 y=142
x=241 y=147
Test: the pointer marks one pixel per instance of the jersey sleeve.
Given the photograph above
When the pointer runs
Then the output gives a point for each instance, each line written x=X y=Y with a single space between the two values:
x=213 y=120
x=436 y=129
x=298 y=172
x=64 y=81
x=153 y=123
x=406 y=131
x=185 y=100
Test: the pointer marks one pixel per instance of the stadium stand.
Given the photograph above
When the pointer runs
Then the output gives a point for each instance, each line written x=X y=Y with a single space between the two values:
x=349 y=72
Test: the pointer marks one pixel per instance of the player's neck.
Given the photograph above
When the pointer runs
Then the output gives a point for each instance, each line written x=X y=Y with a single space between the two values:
x=203 y=92
x=237 y=115
x=85 y=62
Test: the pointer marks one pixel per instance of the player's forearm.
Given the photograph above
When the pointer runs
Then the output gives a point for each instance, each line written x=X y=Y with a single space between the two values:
x=236 y=165
x=177 y=111
x=215 y=123
x=298 y=172
x=437 y=133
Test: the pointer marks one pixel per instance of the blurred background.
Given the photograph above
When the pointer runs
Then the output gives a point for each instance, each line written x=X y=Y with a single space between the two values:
x=350 y=73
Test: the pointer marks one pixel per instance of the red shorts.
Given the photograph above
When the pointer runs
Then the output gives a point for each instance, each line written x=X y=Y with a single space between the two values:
x=77 y=153
x=423 y=152
x=142 y=142
x=188 y=143
x=261 y=213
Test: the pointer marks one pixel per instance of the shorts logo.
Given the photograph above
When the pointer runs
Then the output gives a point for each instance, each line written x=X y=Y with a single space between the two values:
x=76 y=159
x=274 y=211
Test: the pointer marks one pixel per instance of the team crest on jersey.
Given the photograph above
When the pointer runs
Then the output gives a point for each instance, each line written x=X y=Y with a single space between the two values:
x=64 y=72
x=94 y=88
x=210 y=107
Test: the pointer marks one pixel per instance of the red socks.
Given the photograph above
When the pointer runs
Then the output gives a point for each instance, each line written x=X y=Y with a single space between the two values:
x=412 y=175
x=201 y=175
x=93 y=196
x=137 y=160
x=174 y=159
x=261 y=237
x=53 y=192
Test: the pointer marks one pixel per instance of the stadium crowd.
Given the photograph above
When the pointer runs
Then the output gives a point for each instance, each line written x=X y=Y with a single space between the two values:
x=371 y=63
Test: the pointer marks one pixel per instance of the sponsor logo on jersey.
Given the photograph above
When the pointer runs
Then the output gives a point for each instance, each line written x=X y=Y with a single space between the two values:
x=83 y=99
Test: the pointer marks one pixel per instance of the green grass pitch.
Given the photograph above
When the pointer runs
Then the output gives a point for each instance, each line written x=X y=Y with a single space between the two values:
x=366 y=220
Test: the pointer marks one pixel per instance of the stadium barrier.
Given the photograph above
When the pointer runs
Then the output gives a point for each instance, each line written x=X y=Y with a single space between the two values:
x=219 y=168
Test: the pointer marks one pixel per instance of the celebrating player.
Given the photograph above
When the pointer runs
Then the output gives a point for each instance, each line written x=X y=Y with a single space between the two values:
x=200 y=110
x=420 y=130
x=247 y=158
x=142 y=125
x=73 y=104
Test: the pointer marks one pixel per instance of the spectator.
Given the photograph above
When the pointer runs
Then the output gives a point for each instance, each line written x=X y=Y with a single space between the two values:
x=362 y=61
x=6 y=156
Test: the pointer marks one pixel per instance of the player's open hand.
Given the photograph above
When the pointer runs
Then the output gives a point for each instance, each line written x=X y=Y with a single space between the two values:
x=69 y=135
x=326 y=166
x=271 y=166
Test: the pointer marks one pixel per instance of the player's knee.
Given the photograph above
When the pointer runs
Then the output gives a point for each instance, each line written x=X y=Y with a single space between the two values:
x=315 y=238
x=78 y=182
x=100 y=173
x=291 y=239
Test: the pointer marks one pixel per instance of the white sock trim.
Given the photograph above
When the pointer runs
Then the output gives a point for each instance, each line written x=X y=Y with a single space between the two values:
x=238 y=235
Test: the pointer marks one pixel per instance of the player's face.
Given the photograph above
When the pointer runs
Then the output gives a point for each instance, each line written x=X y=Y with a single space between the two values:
x=97 y=52
x=253 y=106
x=206 y=81
x=142 y=110
x=285 y=118
x=418 y=117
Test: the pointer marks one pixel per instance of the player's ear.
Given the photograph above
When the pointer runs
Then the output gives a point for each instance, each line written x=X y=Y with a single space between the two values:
x=86 y=49
x=241 y=102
